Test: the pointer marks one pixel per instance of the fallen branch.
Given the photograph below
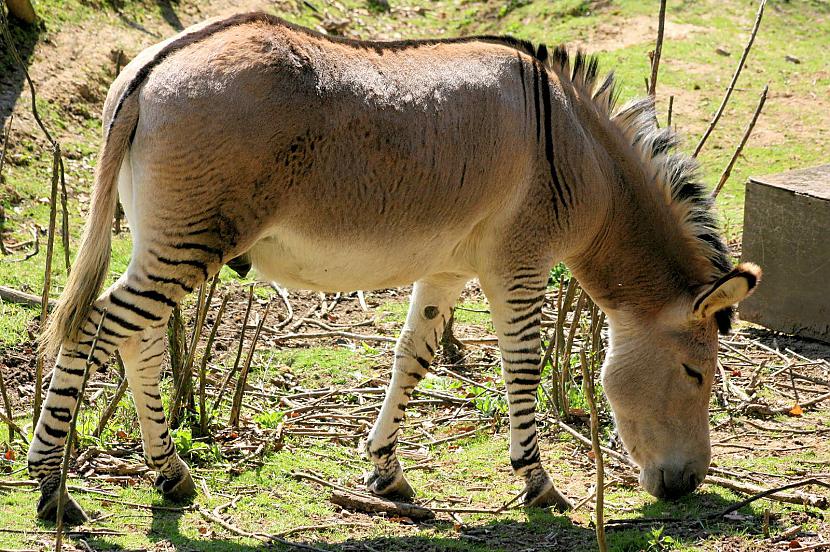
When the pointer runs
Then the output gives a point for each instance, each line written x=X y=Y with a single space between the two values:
x=22 y=298
x=816 y=501
x=764 y=410
x=731 y=86
x=376 y=505
x=209 y=516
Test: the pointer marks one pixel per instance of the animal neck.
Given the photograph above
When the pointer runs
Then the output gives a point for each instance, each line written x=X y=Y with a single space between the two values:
x=626 y=258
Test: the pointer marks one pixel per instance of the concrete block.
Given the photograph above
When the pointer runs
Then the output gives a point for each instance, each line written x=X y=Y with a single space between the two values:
x=787 y=232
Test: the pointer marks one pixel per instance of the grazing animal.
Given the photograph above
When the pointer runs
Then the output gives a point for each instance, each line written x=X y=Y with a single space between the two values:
x=333 y=164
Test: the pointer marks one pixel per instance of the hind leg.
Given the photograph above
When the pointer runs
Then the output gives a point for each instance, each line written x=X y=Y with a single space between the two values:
x=429 y=311
x=143 y=357
x=130 y=308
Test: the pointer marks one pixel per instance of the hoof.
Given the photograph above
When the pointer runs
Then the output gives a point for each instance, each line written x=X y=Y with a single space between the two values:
x=178 y=490
x=73 y=514
x=390 y=485
x=540 y=493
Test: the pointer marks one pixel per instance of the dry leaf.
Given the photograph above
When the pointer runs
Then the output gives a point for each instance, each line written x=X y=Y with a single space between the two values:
x=9 y=455
x=796 y=410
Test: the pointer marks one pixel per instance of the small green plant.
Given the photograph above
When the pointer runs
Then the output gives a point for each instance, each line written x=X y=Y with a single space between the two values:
x=660 y=541
x=557 y=271
x=271 y=419
x=194 y=450
x=488 y=403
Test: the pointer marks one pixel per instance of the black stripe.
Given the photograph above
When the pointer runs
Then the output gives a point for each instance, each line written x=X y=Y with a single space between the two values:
x=523 y=381
x=528 y=315
x=524 y=371
x=523 y=462
x=129 y=326
x=532 y=325
x=554 y=177
x=525 y=412
x=151 y=357
x=65 y=391
x=533 y=361
x=524 y=442
x=178 y=262
x=423 y=362
x=59 y=413
x=516 y=287
x=523 y=351
x=150 y=345
x=526 y=300
x=200 y=247
x=118 y=302
x=172 y=281
x=71 y=371
x=153 y=396
x=152 y=295
x=535 y=66
x=56 y=433
x=163 y=456
x=523 y=400
x=526 y=425
x=522 y=80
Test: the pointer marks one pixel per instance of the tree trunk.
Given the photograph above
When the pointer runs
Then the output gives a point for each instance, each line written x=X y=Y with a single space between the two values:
x=23 y=10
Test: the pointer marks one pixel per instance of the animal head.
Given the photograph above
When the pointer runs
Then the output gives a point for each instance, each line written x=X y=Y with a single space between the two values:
x=658 y=377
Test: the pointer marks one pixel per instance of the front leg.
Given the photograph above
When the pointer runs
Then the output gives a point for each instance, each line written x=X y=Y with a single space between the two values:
x=429 y=311
x=516 y=305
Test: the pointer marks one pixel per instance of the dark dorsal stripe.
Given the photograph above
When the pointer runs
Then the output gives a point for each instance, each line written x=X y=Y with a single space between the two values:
x=523 y=46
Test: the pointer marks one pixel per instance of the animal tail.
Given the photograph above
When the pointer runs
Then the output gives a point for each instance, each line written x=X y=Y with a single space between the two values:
x=90 y=268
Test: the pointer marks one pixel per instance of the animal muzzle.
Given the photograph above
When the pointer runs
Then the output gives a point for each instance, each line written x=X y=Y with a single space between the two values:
x=672 y=482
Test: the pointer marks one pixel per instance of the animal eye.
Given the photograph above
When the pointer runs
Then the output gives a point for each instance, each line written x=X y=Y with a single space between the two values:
x=694 y=374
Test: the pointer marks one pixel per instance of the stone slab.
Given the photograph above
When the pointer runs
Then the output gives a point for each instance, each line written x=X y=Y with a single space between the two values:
x=787 y=233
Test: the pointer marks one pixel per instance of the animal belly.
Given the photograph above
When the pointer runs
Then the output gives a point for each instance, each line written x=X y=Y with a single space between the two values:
x=305 y=263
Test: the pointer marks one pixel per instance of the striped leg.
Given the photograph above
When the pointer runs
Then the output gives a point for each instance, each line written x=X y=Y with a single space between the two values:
x=517 y=312
x=143 y=362
x=130 y=309
x=429 y=310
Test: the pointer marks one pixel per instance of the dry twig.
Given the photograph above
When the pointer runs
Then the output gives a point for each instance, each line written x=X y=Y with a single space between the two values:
x=731 y=86
x=70 y=437
x=588 y=390
x=658 y=50
x=728 y=170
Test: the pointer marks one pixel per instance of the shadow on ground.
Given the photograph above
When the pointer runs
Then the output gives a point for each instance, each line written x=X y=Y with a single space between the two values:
x=542 y=530
x=12 y=77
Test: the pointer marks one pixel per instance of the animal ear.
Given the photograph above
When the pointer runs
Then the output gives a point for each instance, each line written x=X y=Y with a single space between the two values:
x=727 y=291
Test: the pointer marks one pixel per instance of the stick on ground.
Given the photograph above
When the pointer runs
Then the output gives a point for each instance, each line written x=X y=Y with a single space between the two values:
x=377 y=505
